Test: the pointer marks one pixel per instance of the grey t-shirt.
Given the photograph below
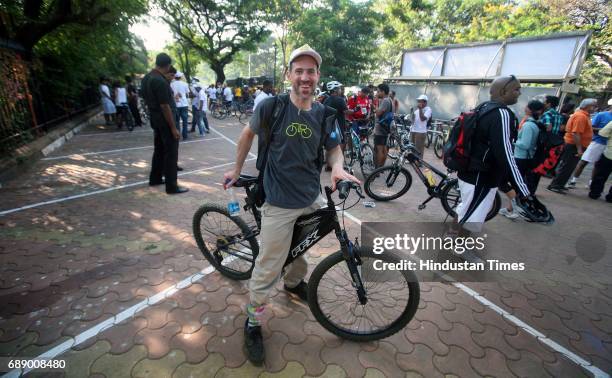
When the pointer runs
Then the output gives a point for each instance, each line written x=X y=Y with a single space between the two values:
x=385 y=105
x=292 y=178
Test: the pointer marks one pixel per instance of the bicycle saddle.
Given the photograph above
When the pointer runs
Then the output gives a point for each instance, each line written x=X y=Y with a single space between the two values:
x=245 y=180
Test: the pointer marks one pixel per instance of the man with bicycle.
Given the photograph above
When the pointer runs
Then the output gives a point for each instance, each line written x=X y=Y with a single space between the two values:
x=291 y=181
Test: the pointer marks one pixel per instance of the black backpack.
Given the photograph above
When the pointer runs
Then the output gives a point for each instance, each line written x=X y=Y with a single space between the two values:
x=545 y=143
x=457 y=149
x=270 y=119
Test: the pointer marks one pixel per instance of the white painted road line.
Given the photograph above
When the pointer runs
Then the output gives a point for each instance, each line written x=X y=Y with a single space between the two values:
x=148 y=130
x=113 y=188
x=597 y=372
x=229 y=140
x=120 y=150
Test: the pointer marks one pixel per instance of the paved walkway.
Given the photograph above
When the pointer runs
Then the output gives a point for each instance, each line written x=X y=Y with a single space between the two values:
x=100 y=270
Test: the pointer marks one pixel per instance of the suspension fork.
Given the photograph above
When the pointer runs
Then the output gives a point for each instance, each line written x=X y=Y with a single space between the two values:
x=353 y=263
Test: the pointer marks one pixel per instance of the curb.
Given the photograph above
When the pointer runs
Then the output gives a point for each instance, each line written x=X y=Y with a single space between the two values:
x=25 y=156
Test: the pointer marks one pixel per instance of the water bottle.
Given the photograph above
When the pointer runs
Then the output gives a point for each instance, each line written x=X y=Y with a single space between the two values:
x=233 y=206
x=430 y=177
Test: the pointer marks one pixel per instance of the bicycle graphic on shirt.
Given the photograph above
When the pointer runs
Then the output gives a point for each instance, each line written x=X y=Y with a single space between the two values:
x=298 y=128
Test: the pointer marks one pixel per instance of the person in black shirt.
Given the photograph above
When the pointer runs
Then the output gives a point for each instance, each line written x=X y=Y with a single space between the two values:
x=338 y=102
x=158 y=97
x=132 y=95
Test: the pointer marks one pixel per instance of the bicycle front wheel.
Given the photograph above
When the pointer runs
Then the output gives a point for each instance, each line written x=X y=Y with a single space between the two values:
x=438 y=146
x=394 y=146
x=392 y=296
x=450 y=198
x=226 y=242
x=388 y=183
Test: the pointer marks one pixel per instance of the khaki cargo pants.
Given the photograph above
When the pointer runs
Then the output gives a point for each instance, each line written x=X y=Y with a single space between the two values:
x=276 y=234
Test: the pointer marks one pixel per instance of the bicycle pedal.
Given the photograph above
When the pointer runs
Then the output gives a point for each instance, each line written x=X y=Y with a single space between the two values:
x=422 y=207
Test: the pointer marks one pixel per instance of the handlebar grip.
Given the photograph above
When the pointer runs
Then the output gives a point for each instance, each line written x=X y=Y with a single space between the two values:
x=343 y=189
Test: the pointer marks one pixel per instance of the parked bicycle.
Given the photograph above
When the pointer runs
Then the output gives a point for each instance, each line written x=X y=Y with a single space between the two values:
x=346 y=295
x=125 y=117
x=358 y=149
x=400 y=135
x=392 y=181
x=246 y=111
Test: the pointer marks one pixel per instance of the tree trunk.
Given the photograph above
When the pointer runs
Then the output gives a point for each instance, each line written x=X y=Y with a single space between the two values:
x=218 y=69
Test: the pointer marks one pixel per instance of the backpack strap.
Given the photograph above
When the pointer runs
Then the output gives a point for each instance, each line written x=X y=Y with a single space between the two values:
x=272 y=115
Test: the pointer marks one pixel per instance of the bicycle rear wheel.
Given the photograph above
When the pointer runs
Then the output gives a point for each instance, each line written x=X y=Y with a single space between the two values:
x=367 y=160
x=388 y=183
x=226 y=242
x=392 y=297
x=450 y=198
x=394 y=145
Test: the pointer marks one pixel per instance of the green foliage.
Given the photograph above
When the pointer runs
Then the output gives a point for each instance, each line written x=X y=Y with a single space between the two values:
x=346 y=35
x=217 y=30
x=424 y=23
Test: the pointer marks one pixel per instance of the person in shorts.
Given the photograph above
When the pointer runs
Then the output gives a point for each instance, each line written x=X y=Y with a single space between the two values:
x=384 y=116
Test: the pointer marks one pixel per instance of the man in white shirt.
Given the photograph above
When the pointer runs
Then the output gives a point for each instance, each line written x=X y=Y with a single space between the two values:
x=227 y=94
x=212 y=94
x=195 y=88
x=181 y=93
x=266 y=92
x=420 y=119
x=202 y=107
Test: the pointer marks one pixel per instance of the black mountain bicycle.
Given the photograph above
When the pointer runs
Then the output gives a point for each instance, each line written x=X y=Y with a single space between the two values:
x=358 y=149
x=346 y=293
x=392 y=181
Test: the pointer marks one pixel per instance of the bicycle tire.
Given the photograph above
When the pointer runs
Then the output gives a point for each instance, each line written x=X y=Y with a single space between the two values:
x=438 y=146
x=337 y=260
x=245 y=116
x=366 y=163
x=215 y=257
x=386 y=172
x=449 y=207
x=428 y=139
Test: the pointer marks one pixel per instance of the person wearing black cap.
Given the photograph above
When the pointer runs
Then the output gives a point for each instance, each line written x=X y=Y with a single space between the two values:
x=158 y=97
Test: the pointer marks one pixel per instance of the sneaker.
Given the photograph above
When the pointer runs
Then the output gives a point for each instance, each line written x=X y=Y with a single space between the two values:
x=570 y=185
x=301 y=290
x=253 y=343
x=508 y=214
x=557 y=190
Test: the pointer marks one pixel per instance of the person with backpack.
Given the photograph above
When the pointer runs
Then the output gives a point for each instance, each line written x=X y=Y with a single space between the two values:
x=479 y=149
x=292 y=131
x=524 y=152
x=384 y=117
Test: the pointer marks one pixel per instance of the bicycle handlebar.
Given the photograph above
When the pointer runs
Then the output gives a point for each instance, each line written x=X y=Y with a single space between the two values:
x=344 y=187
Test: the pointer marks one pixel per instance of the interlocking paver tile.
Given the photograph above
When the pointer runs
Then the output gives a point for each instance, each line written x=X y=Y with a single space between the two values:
x=427 y=333
x=523 y=341
x=292 y=326
x=529 y=365
x=189 y=319
x=121 y=336
x=419 y=361
x=346 y=356
x=293 y=369
x=51 y=329
x=207 y=368
x=157 y=315
x=331 y=371
x=433 y=313
x=460 y=335
x=217 y=299
x=307 y=353
x=246 y=370
x=78 y=363
x=230 y=347
x=490 y=317
x=456 y=362
x=579 y=322
x=119 y=365
x=438 y=296
x=187 y=297
x=493 y=364
x=274 y=344
x=93 y=308
x=193 y=344
x=464 y=315
x=223 y=321
x=157 y=341
x=12 y=347
x=163 y=367
x=383 y=359
x=493 y=337
x=314 y=328
x=374 y=373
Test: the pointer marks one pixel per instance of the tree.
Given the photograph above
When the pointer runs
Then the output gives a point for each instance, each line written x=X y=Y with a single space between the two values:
x=286 y=13
x=345 y=34
x=28 y=21
x=186 y=57
x=217 y=30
